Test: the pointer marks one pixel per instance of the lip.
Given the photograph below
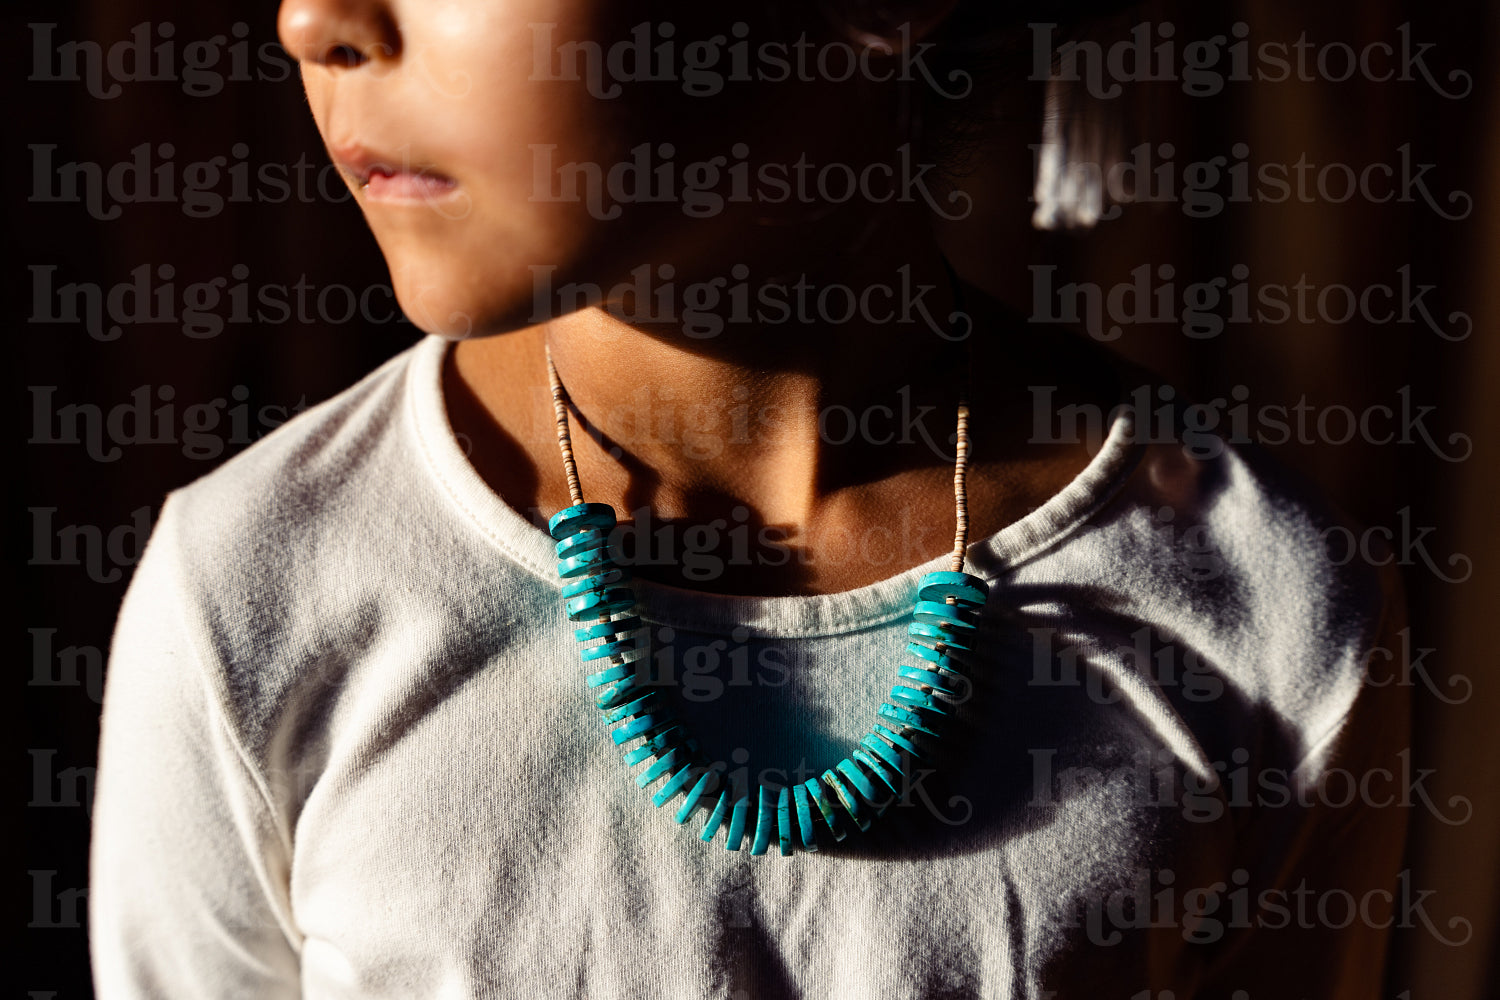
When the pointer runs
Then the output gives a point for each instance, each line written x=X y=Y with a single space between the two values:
x=391 y=178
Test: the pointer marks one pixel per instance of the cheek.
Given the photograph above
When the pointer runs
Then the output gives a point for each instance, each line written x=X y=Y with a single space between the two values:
x=488 y=112
x=318 y=87
x=494 y=102
x=479 y=91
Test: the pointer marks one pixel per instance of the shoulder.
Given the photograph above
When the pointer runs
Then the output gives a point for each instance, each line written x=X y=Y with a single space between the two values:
x=301 y=466
x=299 y=480
x=1243 y=573
x=268 y=559
x=1248 y=540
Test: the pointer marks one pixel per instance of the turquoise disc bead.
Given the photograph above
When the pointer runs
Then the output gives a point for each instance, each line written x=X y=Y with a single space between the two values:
x=589 y=538
x=927 y=678
x=608 y=630
x=805 y=830
x=849 y=770
x=612 y=674
x=619 y=693
x=942 y=661
x=947 y=616
x=931 y=635
x=880 y=769
x=885 y=752
x=674 y=785
x=910 y=698
x=635 y=706
x=738 y=819
x=784 y=822
x=597 y=604
x=662 y=765
x=571 y=520
x=691 y=802
x=858 y=813
x=663 y=741
x=716 y=818
x=823 y=799
x=598 y=581
x=961 y=586
x=585 y=564
x=897 y=740
x=907 y=718
x=640 y=725
x=616 y=647
x=765 y=819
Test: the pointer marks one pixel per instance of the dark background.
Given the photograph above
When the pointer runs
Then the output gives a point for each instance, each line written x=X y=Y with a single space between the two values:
x=80 y=514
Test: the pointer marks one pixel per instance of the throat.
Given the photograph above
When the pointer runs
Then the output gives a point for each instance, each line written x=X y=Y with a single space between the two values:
x=714 y=509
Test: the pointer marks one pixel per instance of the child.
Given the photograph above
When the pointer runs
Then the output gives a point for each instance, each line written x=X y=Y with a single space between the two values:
x=682 y=264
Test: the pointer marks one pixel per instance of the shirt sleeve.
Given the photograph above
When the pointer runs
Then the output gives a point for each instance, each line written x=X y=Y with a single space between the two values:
x=1320 y=865
x=189 y=863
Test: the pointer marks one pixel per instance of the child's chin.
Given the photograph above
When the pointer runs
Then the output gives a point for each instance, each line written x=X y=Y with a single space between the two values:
x=454 y=313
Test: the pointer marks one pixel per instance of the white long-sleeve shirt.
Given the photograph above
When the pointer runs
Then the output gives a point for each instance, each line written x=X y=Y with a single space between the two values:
x=347 y=750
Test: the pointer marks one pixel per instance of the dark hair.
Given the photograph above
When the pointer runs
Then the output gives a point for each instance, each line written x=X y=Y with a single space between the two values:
x=981 y=50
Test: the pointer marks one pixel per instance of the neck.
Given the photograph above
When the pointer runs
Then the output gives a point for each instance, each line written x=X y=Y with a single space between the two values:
x=766 y=414
x=816 y=430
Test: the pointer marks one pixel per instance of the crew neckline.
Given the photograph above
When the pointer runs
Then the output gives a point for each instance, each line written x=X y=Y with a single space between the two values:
x=802 y=615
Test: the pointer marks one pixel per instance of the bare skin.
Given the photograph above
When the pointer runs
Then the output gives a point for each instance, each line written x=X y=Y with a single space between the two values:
x=436 y=111
x=848 y=513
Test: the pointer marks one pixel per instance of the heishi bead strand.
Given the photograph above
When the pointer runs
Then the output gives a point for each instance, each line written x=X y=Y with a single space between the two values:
x=810 y=814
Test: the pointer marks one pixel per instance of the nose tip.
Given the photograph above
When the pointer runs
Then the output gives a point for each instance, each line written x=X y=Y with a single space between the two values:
x=337 y=32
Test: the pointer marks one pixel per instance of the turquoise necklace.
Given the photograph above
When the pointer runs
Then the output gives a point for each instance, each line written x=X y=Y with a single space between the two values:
x=599 y=599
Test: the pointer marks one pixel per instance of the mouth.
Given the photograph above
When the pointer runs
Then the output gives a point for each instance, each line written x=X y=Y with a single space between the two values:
x=382 y=177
